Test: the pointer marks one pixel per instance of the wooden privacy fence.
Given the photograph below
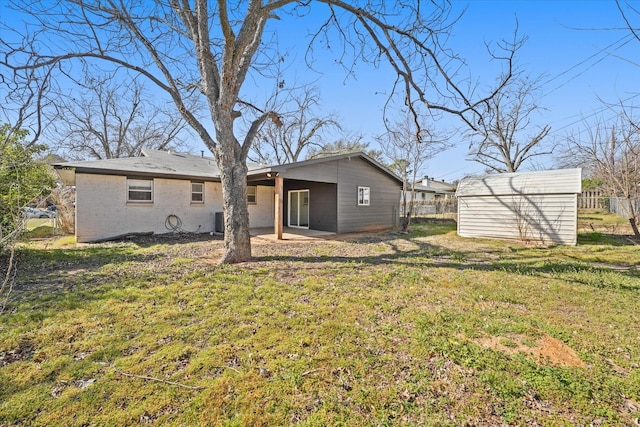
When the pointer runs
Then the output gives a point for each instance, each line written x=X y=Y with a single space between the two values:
x=425 y=208
x=598 y=199
x=593 y=199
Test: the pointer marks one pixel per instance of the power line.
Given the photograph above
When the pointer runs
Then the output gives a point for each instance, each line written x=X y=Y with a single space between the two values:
x=616 y=45
x=557 y=76
x=582 y=118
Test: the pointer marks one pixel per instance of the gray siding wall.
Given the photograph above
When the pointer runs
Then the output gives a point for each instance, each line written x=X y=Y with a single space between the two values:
x=544 y=218
x=323 y=211
x=384 y=193
x=320 y=172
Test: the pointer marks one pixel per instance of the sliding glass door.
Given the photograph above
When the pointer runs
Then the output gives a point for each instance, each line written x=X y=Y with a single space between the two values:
x=299 y=208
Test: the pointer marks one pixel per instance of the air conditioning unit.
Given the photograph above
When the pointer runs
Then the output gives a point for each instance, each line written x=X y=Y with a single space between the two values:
x=218 y=223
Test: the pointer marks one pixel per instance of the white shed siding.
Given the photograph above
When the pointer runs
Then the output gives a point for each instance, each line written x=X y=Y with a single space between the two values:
x=102 y=210
x=545 y=220
x=531 y=206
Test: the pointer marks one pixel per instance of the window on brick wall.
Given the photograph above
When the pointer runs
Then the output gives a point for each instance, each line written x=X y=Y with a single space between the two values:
x=197 y=192
x=252 y=198
x=140 y=190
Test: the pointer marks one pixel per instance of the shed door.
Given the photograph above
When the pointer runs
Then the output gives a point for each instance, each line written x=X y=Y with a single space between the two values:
x=299 y=208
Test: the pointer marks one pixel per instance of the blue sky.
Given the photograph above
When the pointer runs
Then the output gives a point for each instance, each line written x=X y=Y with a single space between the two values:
x=582 y=47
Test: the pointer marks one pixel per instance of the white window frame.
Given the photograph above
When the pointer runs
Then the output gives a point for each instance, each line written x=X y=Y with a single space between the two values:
x=200 y=192
x=295 y=215
x=139 y=189
x=252 y=192
x=364 y=196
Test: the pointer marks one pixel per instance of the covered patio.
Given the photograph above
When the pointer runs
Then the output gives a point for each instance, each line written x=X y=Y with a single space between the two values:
x=288 y=233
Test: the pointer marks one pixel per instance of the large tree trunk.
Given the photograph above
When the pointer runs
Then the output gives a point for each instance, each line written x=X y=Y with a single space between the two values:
x=233 y=167
x=237 y=242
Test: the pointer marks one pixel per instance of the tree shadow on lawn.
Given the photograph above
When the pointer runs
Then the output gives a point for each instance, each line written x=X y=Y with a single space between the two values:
x=59 y=272
x=91 y=257
x=597 y=238
x=427 y=256
x=55 y=271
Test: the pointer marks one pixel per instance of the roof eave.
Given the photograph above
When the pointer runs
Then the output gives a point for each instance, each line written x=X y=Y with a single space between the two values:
x=131 y=172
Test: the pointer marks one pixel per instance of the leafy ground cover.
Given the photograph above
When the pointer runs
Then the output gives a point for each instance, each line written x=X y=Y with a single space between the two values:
x=380 y=329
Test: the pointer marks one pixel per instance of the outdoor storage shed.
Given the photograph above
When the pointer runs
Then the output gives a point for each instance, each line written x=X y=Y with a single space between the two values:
x=539 y=206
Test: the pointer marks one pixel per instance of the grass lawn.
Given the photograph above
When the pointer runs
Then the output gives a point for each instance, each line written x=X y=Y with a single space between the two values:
x=40 y=227
x=382 y=329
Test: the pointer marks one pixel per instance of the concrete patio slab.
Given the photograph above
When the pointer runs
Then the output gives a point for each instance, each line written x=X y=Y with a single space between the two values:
x=289 y=233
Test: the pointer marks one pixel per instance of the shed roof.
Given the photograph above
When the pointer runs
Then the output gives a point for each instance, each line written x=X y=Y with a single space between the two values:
x=559 y=181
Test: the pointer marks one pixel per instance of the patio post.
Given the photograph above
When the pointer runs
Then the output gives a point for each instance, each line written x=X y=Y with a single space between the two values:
x=279 y=194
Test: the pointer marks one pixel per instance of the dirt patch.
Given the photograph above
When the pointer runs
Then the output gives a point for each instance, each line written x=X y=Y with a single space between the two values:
x=546 y=351
x=23 y=352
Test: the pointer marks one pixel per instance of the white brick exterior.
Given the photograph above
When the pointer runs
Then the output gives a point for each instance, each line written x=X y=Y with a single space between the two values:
x=262 y=212
x=102 y=210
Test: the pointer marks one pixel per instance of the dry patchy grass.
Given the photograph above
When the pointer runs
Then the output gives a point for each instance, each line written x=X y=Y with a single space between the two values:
x=377 y=329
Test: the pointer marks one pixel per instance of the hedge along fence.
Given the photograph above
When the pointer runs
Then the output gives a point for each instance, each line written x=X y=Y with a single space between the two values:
x=7 y=241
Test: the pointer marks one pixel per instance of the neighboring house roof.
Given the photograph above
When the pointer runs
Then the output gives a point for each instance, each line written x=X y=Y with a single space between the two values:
x=433 y=184
x=155 y=163
x=561 y=181
x=428 y=189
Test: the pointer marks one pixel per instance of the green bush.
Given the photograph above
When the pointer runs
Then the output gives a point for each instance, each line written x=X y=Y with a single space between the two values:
x=22 y=176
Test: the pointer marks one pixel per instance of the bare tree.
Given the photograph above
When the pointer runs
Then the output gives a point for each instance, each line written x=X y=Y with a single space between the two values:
x=409 y=146
x=300 y=129
x=113 y=118
x=627 y=10
x=503 y=139
x=25 y=96
x=208 y=49
x=348 y=144
x=611 y=153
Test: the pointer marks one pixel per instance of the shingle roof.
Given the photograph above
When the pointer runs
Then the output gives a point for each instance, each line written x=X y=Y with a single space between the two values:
x=155 y=163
